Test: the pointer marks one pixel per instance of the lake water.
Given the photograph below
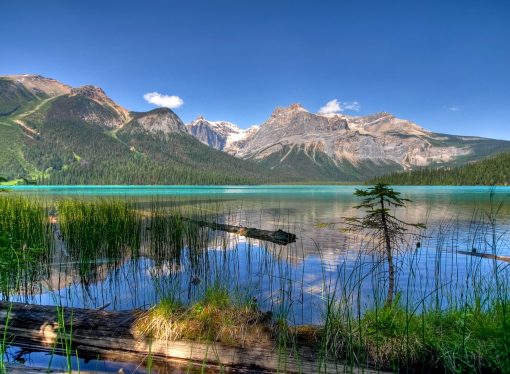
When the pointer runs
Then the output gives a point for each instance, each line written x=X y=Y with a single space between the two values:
x=295 y=279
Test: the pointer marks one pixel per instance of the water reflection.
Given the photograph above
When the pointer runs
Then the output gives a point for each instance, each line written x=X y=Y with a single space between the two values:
x=298 y=279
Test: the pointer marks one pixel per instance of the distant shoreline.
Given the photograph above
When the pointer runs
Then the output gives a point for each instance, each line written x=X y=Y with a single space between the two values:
x=35 y=186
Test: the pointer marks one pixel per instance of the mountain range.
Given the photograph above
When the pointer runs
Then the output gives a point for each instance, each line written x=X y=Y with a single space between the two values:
x=341 y=147
x=59 y=134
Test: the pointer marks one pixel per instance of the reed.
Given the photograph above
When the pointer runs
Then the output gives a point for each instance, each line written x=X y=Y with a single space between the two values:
x=24 y=222
x=100 y=232
x=4 y=343
x=25 y=243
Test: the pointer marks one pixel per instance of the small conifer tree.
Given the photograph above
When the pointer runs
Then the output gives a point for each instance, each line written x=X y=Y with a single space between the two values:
x=388 y=230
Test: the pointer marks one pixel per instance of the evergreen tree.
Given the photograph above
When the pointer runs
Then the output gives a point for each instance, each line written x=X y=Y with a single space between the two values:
x=387 y=229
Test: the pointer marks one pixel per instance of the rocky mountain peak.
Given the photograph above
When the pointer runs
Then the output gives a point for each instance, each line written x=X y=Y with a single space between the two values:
x=90 y=91
x=379 y=115
x=38 y=84
x=158 y=121
x=296 y=106
x=292 y=140
x=216 y=134
x=384 y=123
x=379 y=138
x=292 y=109
x=219 y=126
x=99 y=96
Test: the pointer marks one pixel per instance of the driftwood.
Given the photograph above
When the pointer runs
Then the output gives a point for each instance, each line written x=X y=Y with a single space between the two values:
x=278 y=236
x=486 y=255
x=110 y=336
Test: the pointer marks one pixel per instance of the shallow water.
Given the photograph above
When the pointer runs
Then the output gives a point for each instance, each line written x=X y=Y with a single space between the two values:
x=302 y=208
x=294 y=279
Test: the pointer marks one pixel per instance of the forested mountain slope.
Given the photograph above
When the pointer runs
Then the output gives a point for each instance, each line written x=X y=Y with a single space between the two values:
x=53 y=133
x=80 y=136
x=494 y=170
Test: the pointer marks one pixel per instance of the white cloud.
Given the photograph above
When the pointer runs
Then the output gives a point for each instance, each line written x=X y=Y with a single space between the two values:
x=165 y=101
x=454 y=108
x=334 y=107
x=352 y=105
x=331 y=107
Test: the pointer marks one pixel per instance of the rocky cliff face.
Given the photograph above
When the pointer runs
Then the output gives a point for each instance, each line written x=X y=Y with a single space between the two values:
x=160 y=121
x=119 y=115
x=87 y=104
x=221 y=135
x=235 y=143
x=292 y=137
x=379 y=137
x=40 y=86
x=213 y=133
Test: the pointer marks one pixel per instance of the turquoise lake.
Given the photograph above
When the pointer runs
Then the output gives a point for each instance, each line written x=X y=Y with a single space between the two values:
x=323 y=255
x=302 y=208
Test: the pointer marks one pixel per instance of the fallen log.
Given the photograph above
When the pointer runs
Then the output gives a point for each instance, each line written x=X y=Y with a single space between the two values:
x=486 y=255
x=278 y=236
x=110 y=335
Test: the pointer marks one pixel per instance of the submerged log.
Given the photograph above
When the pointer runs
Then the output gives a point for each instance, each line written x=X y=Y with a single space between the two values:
x=110 y=336
x=278 y=236
x=486 y=255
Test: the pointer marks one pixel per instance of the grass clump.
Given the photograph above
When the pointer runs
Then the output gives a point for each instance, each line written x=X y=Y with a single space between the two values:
x=25 y=242
x=104 y=229
x=92 y=226
x=470 y=339
x=99 y=234
x=217 y=317
x=24 y=222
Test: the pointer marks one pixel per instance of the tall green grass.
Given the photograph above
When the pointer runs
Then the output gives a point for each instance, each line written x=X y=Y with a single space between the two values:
x=25 y=243
x=99 y=232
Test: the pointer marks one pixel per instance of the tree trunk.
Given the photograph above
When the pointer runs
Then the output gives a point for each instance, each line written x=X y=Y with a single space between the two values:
x=389 y=256
x=278 y=236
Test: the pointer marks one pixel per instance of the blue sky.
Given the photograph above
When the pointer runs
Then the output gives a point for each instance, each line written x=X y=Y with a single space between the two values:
x=443 y=64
